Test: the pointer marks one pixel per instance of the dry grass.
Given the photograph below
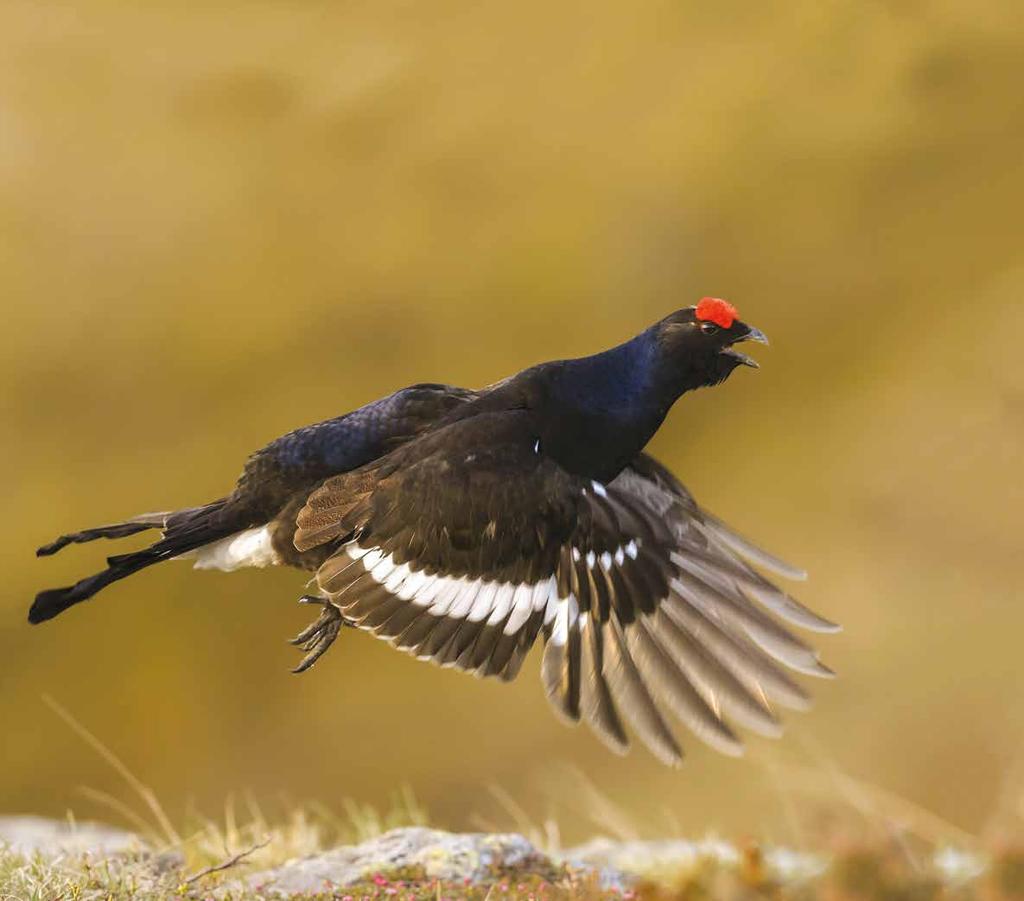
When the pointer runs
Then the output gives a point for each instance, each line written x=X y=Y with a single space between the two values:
x=882 y=872
x=896 y=852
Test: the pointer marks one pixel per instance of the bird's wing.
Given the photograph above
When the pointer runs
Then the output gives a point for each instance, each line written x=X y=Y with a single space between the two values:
x=708 y=642
x=449 y=545
x=464 y=545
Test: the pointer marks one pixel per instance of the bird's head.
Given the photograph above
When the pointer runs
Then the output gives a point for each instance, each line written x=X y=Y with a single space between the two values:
x=698 y=343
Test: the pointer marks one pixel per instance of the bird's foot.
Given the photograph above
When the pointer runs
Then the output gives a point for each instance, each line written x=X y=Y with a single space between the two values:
x=317 y=637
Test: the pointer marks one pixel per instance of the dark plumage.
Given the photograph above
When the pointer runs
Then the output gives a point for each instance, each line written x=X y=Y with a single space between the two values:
x=460 y=525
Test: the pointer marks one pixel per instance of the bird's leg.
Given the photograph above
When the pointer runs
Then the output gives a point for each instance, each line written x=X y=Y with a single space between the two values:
x=317 y=637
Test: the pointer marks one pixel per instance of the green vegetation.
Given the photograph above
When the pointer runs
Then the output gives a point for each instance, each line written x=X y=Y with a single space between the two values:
x=878 y=873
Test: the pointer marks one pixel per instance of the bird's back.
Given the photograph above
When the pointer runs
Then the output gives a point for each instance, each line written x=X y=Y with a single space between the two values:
x=302 y=459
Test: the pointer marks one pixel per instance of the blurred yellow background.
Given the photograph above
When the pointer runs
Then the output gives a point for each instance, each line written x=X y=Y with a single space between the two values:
x=224 y=221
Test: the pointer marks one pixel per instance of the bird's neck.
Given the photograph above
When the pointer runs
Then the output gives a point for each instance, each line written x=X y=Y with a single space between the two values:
x=604 y=408
x=626 y=379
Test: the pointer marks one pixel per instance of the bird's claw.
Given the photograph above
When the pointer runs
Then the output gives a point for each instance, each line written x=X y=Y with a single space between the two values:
x=317 y=637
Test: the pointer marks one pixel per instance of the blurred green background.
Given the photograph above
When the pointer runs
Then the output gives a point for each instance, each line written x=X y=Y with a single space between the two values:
x=220 y=222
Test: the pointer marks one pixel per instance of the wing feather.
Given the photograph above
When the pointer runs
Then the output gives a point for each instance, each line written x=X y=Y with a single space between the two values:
x=634 y=698
x=746 y=548
x=714 y=682
x=560 y=672
x=465 y=545
x=746 y=660
x=596 y=704
x=672 y=687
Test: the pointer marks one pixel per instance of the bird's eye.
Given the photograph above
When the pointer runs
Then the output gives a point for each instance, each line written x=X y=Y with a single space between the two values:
x=708 y=328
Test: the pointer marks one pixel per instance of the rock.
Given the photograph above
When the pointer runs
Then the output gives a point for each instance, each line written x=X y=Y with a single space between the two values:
x=643 y=857
x=621 y=864
x=411 y=855
x=55 y=838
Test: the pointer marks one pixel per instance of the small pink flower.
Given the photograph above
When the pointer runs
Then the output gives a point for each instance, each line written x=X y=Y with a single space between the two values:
x=379 y=880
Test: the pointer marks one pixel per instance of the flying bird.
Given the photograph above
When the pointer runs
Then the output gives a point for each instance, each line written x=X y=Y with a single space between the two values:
x=460 y=525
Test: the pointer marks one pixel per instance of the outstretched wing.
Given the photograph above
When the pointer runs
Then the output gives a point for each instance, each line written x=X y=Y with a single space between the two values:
x=450 y=545
x=464 y=545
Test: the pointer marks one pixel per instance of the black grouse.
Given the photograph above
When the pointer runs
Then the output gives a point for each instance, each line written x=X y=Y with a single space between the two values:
x=460 y=525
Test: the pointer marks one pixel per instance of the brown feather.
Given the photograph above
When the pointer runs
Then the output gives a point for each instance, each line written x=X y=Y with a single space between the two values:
x=596 y=704
x=634 y=699
x=675 y=690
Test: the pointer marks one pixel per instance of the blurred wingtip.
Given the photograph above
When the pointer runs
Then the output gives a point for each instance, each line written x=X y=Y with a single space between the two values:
x=821 y=671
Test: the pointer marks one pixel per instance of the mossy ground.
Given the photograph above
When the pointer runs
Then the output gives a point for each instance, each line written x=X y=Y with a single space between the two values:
x=908 y=855
x=883 y=873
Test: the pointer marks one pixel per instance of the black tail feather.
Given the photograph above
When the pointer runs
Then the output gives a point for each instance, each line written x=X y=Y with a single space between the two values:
x=184 y=531
x=118 y=530
x=54 y=601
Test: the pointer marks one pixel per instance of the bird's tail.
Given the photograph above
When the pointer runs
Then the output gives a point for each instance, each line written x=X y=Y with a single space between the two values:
x=116 y=530
x=183 y=531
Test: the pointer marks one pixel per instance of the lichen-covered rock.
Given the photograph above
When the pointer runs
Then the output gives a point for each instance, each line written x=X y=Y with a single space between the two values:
x=55 y=838
x=412 y=855
x=621 y=864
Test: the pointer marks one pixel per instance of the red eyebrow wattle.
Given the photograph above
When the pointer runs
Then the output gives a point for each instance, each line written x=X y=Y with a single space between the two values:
x=718 y=311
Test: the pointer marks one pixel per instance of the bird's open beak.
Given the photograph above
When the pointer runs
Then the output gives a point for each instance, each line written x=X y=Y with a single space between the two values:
x=755 y=334
x=751 y=334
